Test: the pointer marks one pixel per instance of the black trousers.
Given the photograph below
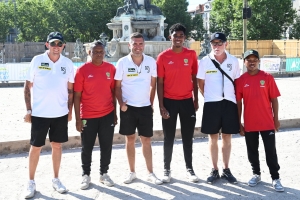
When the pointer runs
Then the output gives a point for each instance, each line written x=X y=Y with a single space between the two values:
x=104 y=128
x=187 y=115
x=252 y=141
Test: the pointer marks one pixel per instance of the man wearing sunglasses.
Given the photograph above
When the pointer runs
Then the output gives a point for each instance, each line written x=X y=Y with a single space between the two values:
x=220 y=109
x=48 y=93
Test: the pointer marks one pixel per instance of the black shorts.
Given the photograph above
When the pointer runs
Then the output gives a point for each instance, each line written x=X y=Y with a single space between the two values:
x=137 y=117
x=220 y=115
x=57 y=128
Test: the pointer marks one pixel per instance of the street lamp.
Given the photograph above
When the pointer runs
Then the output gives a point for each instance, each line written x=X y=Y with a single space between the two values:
x=246 y=15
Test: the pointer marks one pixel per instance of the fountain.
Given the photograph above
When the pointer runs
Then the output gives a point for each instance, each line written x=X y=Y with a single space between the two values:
x=136 y=16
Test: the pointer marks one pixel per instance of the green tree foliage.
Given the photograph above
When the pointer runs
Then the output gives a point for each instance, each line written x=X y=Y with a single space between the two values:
x=175 y=11
x=6 y=19
x=295 y=31
x=197 y=28
x=270 y=18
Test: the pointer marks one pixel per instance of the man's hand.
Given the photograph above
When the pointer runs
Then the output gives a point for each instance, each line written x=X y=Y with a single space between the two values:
x=79 y=126
x=27 y=118
x=242 y=130
x=115 y=119
x=124 y=106
x=196 y=104
x=164 y=113
x=277 y=124
x=69 y=116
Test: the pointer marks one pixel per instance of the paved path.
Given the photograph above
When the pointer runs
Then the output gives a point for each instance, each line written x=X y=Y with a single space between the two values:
x=12 y=109
x=13 y=174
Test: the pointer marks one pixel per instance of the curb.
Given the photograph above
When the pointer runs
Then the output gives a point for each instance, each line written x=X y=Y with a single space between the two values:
x=75 y=142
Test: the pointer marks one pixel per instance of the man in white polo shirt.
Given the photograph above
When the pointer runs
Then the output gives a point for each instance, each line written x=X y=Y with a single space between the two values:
x=220 y=108
x=135 y=90
x=48 y=96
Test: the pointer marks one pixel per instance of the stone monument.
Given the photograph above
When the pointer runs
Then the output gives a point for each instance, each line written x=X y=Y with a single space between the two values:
x=79 y=52
x=205 y=46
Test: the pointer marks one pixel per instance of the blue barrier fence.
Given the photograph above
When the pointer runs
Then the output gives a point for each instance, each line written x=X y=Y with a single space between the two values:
x=292 y=64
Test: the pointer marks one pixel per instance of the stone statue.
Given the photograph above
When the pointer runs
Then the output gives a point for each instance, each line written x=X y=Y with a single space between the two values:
x=79 y=51
x=130 y=6
x=205 y=45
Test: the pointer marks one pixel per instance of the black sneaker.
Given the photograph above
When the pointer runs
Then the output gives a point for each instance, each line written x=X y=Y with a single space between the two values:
x=228 y=176
x=214 y=175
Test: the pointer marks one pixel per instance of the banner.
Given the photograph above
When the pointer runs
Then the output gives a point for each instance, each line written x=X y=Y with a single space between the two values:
x=13 y=71
x=292 y=64
x=270 y=64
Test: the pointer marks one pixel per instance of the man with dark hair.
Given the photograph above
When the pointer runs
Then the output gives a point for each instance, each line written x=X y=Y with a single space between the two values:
x=48 y=96
x=178 y=97
x=259 y=92
x=135 y=92
x=94 y=104
x=220 y=109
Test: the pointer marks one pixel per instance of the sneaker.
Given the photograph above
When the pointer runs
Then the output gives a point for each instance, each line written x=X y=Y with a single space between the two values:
x=105 y=179
x=153 y=179
x=58 y=186
x=277 y=185
x=254 y=180
x=214 y=175
x=85 y=183
x=167 y=176
x=228 y=176
x=191 y=175
x=30 y=190
x=130 y=177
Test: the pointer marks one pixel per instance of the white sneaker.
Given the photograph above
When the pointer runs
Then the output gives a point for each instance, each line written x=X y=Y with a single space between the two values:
x=30 y=190
x=153 y=179
x=58 y=186
x=277 y=185
x=105 y=179
x=130 y=177
x=85 y=183
x=191 y=175
x=167 y=176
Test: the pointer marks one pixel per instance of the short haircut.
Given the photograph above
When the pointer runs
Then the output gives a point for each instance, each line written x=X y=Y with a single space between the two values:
x=96 y=43
x=177 y=27
x=136 y=35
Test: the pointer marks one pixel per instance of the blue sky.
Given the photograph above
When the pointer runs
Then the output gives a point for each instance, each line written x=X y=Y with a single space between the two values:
x=194 y=3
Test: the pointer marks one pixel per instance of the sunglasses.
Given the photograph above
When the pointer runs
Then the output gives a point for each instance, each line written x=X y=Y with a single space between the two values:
x=54 y=44
x=217 y=43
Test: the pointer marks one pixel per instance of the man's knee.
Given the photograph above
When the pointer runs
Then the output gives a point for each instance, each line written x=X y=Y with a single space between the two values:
x=56 y=145
x=35 y=149
x=145 y=140
x=130 y=138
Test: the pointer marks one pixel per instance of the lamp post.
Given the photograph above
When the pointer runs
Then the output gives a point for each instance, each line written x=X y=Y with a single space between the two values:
x=246 y=15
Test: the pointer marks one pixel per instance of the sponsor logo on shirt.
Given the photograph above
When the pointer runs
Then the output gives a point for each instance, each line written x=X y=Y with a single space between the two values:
x=229 y=66
x=108 y=75
x=147 y=68
x=45 y=64
x=211 y=71
x=246 y=85
x=44 y=68
x=262 y=83
x=186 y=61
x=131 y=69
x=171 y=62
x=63 y=69
x=90 y=76
x=132 y=75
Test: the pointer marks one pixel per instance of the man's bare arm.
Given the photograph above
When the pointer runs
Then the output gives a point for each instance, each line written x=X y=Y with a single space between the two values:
x=27 y=94
x=70 y=100
x=201 y=86
x=152 y=90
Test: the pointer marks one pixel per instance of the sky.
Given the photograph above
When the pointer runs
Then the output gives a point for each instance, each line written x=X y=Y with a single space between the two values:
x=194 y=3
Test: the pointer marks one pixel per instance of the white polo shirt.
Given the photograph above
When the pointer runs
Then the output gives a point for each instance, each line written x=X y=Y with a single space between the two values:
x=213 y=85
x=49 y=94
x=136 y=80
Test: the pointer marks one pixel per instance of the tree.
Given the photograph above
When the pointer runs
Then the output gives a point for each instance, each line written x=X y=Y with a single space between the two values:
x=270 y=18
x=295 y=30
x=6 y=19
x=175 y=11
x=197 y=28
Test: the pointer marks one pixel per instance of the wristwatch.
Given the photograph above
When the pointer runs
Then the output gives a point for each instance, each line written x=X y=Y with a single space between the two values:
x=28 y=112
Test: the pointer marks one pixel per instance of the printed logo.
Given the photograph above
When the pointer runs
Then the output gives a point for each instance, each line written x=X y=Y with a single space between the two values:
x=131 y=69
x=63 y=69
x=112 y=125
x=271 y=133
x=246 y=85
x=44 y=68
x=147 y=68
x=185 y=60
x=45 y=64
x=217 y=35
x=108 y=75
x=229 y=66
x=193 y=116
x=132 y=75
x=262 y=82
x=90 y=76
x=84 y=123
x=211 y=71
x=171 y=62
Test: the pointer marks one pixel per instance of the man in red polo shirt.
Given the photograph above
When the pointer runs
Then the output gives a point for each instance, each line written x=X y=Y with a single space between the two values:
x=178 y=95
x=259 y=92
x=94 y=104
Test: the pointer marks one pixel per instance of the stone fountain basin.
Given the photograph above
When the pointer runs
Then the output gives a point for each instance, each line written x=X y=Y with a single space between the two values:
x=144 y=24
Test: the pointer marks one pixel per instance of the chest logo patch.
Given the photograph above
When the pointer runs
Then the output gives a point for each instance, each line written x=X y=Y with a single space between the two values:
x=63 y=69
x=147 y=68
x=108 y=75
x=132 y=75
x=186 y=61
x=262 y=83
x=211 y=71
x=131 y=69
x=229 y=66
x=44 y=68
x=45 y=64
